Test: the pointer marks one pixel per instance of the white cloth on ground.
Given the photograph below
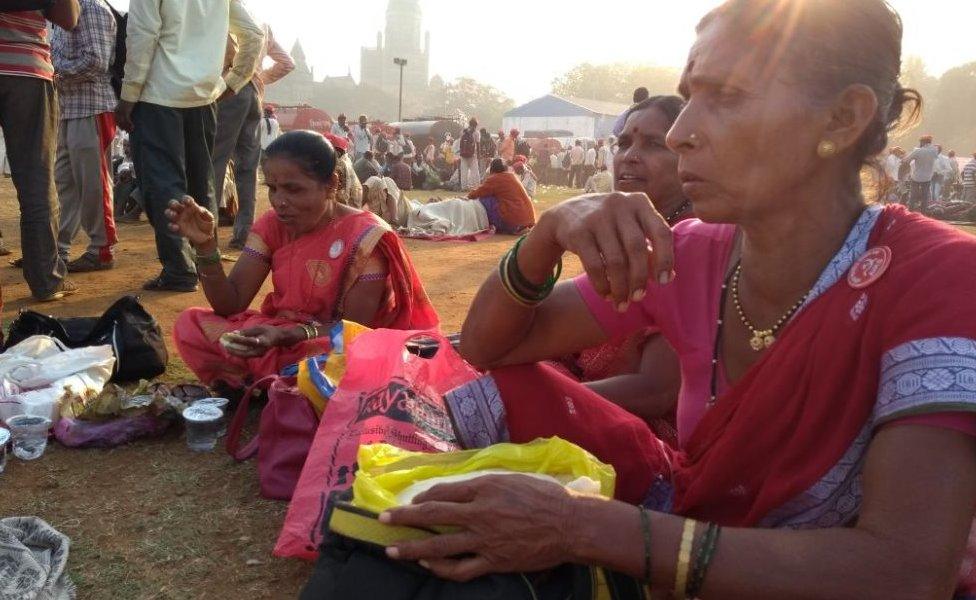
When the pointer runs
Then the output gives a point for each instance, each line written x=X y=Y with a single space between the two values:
x=453 y=217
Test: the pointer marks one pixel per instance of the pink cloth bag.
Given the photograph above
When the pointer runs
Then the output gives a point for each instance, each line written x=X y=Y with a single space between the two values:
x=288 y=425
x=386 y=395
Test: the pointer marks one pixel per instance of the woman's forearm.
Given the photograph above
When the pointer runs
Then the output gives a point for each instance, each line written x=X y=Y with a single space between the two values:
x=637 y=394
x=217 y=287
x=496 y=324
x=756 y=564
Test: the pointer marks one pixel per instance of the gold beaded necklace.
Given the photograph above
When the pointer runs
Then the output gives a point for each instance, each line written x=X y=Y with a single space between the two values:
x=761 y=338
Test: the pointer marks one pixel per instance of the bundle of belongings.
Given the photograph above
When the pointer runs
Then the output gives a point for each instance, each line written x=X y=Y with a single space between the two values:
x=64 y=369
x=352 y=563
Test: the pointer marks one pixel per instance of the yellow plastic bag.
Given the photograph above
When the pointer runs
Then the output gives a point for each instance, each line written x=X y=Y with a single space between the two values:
x=318 y=376
x=385 y=471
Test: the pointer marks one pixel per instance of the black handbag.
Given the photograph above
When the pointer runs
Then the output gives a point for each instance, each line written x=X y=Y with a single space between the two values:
x=134 y=335
x=352 y=565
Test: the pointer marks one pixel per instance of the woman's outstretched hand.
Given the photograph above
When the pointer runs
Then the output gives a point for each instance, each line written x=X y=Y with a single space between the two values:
x=620 y=238
x=507 y=524
x=192 y=221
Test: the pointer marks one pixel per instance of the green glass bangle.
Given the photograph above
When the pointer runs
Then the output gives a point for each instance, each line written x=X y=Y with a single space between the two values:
x=212 y=258
x=705 y=555
x=645 y=520
x=519 y=280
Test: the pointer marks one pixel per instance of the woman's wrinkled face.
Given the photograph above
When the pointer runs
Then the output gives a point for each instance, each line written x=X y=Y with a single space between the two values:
x=644 y=163
x=748 y=135
x=299 y=200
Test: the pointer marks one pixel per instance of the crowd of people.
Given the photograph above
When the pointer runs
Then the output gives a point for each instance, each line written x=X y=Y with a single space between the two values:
x=780 y=372
x=931 y=180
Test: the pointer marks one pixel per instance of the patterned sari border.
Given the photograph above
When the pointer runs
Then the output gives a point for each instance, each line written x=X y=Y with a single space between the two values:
x=478 y=413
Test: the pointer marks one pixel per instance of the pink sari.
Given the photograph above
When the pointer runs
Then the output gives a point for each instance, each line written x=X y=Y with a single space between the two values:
x=312 y=275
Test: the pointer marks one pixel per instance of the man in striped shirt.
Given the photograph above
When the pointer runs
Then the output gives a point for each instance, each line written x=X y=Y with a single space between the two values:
x=969 y=181
x=81 y=72
x=28 y=115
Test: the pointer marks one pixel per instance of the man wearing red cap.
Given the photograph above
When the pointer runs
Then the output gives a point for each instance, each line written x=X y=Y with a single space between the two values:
x=350 y=189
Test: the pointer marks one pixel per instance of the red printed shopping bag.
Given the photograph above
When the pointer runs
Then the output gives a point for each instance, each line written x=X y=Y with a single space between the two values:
x=387 y=394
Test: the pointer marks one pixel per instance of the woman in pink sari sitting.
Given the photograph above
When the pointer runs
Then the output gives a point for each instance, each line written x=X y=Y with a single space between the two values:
x=638 y=370
x=827 y=415
x=327 y=262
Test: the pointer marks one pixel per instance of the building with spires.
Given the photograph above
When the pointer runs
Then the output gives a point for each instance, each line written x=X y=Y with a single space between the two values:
x=300 y=86
x=401 y=39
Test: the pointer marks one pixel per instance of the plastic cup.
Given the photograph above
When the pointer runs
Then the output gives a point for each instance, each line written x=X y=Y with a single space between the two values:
x=4 y=440
x=29 y=433
x=202 y=426
x=220 y=403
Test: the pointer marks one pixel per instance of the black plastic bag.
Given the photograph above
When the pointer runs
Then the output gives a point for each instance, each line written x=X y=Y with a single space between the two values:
x=134 y=335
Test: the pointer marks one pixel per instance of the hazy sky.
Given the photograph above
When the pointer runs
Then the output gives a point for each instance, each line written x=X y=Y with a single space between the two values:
x=519 y=46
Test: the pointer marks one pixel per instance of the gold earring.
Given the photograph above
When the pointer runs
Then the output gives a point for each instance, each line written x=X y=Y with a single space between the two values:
x=826 y=149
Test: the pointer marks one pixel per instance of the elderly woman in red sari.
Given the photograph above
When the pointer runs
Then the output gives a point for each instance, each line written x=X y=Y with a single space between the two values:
x=327 y=261
x=828 y=406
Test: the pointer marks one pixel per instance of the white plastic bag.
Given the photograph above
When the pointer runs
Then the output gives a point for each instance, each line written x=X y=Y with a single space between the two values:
x=36 y=374
x=95 y=361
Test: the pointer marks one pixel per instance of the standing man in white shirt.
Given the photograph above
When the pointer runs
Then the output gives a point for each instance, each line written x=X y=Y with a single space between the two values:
x=577 y=156
x=468 y=147
x=362 y=139
x=943 y=171
x=174 y=59
x=589 y=163
x=922 y=160
x=341 y=127
x=892 y=169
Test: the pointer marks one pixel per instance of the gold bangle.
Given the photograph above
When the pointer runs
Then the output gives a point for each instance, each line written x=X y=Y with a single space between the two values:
x=684 y=558
x=512 y=294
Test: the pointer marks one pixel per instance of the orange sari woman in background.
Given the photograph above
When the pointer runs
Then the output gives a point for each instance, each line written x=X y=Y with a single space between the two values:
x=327 y=262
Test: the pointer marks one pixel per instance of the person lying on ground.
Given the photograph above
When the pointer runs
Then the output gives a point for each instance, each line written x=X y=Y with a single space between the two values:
x=384 y=198
x=827 y=414
x=327 y=262
x=509 y=207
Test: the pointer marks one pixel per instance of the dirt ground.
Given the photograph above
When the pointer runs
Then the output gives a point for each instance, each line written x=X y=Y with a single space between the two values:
x=153 y=520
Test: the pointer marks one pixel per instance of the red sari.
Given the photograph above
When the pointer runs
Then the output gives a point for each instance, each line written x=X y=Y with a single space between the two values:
x=796 y=413
x=312 y=275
